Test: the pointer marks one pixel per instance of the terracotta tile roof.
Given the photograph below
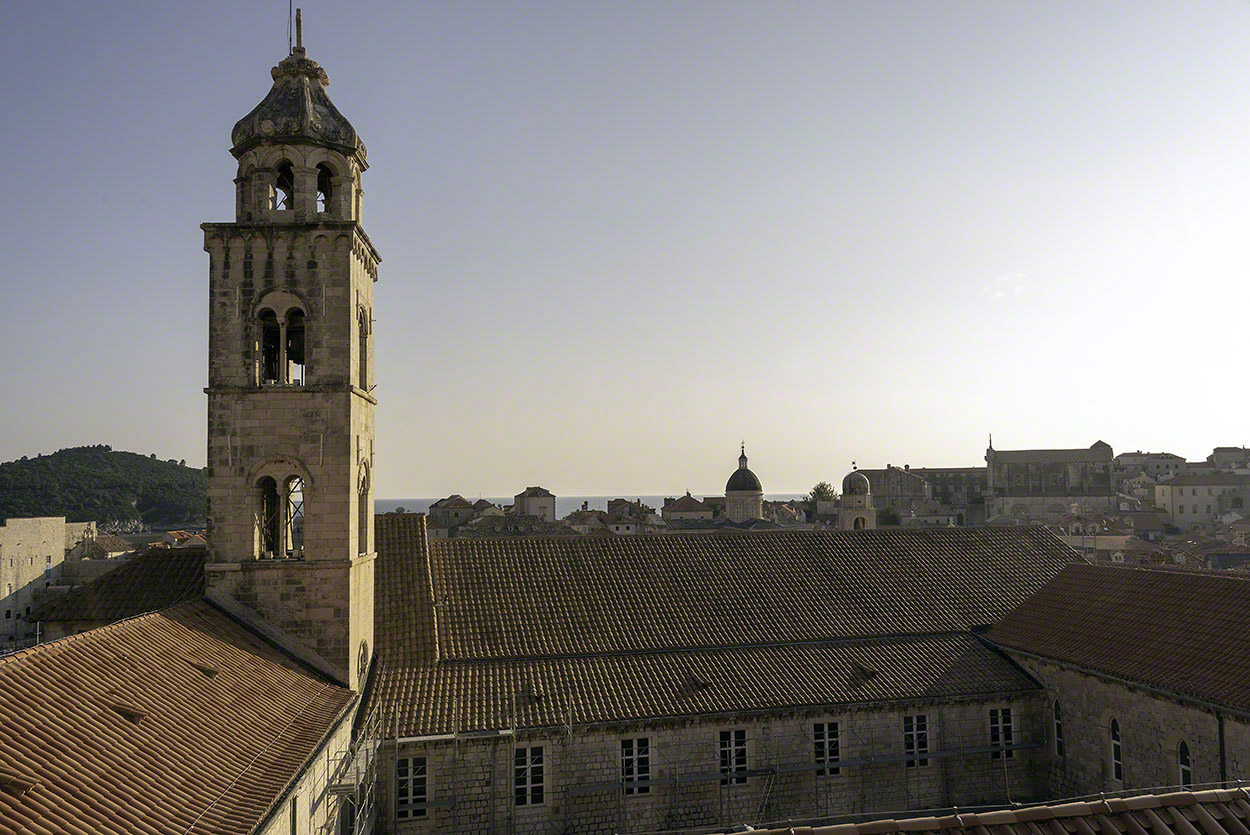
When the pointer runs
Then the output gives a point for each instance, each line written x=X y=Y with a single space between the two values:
x=142 y=726
x=404 y=631
x=113 y=544
x=521 y=597
x=1139 y=624
x=1206 y=480
x=453 y=502
x=1216 y=812
x=1099 y=451
x=536 y=492
x=148 y=582
x=474 y=695
x=491 y=527
x=686 y=504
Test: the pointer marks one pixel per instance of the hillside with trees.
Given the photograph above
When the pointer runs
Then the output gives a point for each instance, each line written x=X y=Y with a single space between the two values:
x=118 y=490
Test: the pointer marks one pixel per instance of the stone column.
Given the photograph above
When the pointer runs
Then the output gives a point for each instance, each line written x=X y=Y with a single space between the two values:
x=305 y=193
x=263 y=182
x=342 y=189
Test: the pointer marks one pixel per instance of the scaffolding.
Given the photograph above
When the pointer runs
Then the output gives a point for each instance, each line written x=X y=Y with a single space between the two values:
x=688 y=788
x=351 y=774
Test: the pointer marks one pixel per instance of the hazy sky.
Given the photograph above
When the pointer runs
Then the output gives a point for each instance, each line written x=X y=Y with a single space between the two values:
x=619 y=237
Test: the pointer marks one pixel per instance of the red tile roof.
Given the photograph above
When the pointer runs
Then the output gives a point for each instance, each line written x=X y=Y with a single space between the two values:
x=475 y=695
x=178 y=721
x=601 y=629
x=148 y=582
x=1141 y=624
x=516 y=598
x=1216 y=812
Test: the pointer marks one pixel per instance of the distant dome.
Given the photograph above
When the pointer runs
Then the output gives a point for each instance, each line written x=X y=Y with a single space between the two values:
x=743 y=480
x=855 y=484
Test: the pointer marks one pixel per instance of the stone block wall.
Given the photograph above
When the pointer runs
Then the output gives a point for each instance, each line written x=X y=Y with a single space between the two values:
x=326 y=606
x=1151 y=728
x=309 y=807
x=470 y=780
x=32 y=551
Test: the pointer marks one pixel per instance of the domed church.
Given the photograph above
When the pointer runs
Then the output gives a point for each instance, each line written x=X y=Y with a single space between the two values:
x=744 y=497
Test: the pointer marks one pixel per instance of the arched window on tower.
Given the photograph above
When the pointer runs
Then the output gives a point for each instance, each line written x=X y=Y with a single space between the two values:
x=270 y=347
x=362 y=373
x=295 y=517
x=364 y=511
x=296 y=368
x=859 y=523
x=325 y=188
x=269 y=517
x=284 y=188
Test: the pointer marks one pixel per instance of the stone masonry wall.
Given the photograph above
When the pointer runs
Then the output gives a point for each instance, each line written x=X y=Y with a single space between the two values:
x=470 y=780
x=32 y=551
x=1151 y=728
x=313 y=602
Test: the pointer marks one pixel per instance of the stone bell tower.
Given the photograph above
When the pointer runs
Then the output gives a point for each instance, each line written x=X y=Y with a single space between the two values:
x=290 y=375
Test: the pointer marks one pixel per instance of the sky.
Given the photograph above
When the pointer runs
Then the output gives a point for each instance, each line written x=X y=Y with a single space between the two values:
x=620 y=237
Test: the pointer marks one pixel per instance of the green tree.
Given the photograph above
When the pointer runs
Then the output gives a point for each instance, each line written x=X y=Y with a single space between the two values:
x=822 y=492
x=889 y=516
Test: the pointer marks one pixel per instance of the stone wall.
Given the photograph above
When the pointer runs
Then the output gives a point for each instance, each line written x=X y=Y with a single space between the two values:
x=470 y=780
x=1151 y=728
x=326 y=606
x=309 y=808
x=32 y=551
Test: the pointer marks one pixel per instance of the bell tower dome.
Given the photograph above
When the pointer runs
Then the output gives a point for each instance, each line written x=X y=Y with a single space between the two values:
x=290 y=374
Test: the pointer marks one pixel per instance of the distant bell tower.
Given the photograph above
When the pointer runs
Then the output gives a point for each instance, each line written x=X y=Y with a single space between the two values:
x=290 y=374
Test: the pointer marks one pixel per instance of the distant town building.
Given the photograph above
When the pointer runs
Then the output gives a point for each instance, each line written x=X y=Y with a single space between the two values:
x=1157 y=465
x=896 y=488
x=744 y=496
x=32 y=551
x=1199 y=499
x=535 y=501
x=1228 y=458
x=685 y=507
x=452 y=511
x=856 y=513
x=1047 y=484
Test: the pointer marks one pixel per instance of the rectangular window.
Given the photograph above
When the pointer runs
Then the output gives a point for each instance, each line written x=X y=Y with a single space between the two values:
x=1002 y=734
x=636 y=764
x=527 y=775
x=410 y=788
x=916 y=740
x=828 y=748
x=733 y=756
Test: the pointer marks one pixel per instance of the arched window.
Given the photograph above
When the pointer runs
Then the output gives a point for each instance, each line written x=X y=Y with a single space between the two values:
x=269 y=518
x=270 y=346
x=362 y=373
x=281 y=348
x=1058 y=717
x=325 y=188
x=1184 y=767
x=296 y=367
x=364 y=511
x=295 y=517
x=284 y=188
x=859 y=523
x=1117 y=752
